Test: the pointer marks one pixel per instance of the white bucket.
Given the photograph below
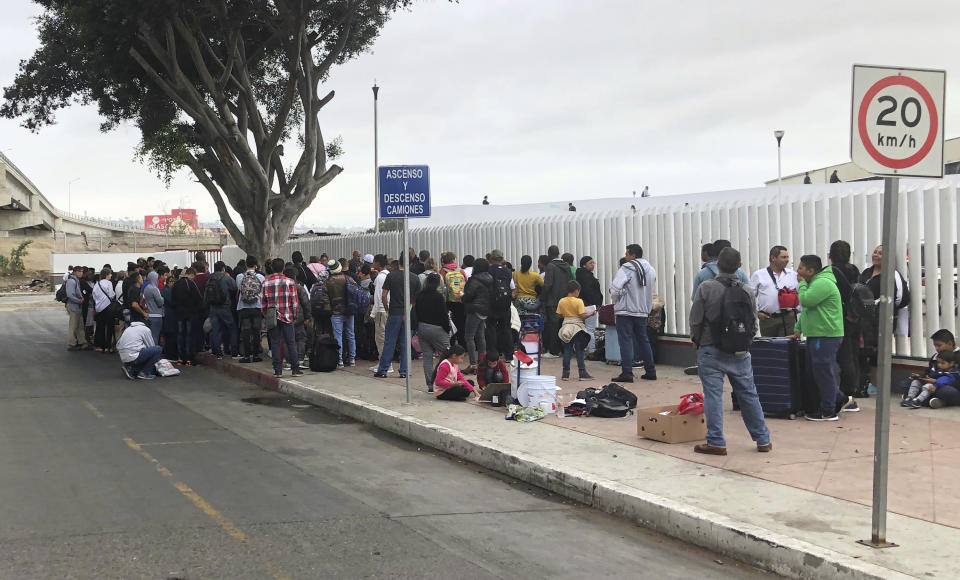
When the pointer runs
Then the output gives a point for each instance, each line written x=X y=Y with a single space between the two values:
x=526 y=371
x=538 y=391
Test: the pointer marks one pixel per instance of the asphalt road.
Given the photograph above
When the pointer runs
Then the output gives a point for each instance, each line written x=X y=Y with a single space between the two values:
x=201 y=476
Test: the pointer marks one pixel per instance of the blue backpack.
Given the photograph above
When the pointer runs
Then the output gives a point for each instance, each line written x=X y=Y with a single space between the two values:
x=358 y=299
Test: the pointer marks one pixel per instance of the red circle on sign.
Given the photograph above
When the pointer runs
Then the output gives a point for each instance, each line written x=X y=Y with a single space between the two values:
x=862 y=122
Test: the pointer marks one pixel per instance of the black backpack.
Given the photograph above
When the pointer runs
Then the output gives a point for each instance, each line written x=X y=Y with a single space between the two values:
x=734 y=329
x=612 y=401
x=905 y=300
x=502 y=294
x=325 y=354
x=868 y=314
x=213 y=294
x=61 y=294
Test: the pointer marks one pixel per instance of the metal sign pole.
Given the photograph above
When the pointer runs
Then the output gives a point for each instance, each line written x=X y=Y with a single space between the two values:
x=406 y=304
x=881 y=439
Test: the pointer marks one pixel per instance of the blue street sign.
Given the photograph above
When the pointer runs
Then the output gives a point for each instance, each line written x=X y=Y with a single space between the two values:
x=404 y=191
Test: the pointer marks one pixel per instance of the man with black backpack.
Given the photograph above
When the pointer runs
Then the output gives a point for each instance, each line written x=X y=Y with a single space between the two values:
x=218 y=297
x=337 y=293
x=499 y=337
x=723 y=321
x=249 y=313
x=858 y=310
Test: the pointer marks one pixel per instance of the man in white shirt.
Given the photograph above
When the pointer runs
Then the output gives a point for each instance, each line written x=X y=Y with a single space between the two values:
x=379 y=311
x=776 y=290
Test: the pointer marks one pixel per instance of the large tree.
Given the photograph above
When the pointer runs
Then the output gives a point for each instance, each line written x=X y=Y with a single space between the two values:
x=216 y=86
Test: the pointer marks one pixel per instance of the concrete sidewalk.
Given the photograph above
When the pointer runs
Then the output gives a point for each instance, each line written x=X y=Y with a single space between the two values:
x=797 y=511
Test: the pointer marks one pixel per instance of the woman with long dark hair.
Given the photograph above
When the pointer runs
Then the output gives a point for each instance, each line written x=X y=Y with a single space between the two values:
x=591 y=294
x=104 y=298
x=433 y=324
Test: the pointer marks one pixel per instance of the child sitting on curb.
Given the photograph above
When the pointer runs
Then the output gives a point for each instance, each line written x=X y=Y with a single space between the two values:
x=946 y=394
x=943 y=375
x=450 y=384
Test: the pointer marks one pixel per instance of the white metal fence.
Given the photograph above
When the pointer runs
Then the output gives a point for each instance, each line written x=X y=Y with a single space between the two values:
x=806 y=220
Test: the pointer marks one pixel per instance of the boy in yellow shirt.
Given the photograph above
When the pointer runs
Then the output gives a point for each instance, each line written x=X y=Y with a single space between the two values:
x=573 y=332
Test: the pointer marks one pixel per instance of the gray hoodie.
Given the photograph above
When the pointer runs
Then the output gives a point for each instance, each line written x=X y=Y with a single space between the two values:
x=632 y=288
x=152 y=297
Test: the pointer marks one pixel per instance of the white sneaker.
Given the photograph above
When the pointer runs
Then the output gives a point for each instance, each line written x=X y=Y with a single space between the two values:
x=549 y=355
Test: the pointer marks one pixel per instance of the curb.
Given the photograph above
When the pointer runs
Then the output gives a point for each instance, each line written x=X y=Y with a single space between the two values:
x=750 y=544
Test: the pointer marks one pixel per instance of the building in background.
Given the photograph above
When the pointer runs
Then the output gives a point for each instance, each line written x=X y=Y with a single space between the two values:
x=850 y=172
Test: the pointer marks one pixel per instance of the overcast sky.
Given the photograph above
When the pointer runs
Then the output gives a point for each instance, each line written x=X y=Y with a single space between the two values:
x=548 y=101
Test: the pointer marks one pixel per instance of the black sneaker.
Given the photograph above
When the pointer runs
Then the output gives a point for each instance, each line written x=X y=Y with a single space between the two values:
x=691 y=370
x=915 y=404
x=585 y=376
x=822 y=416
x=380 y=375
x=622 y=379
x=245 y=360
x=565 y=376
x=850 y=406
x=257 y=359
x=648 y=377
x=906 y=403
x=126 y=371
x=638 y=364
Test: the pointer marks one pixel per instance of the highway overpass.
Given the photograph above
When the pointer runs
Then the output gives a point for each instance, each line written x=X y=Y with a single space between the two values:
x=25 y=211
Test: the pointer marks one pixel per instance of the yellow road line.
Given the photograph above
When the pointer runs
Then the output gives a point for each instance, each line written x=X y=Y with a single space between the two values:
x=96 y=412
x=223 y=521
x=228 y=526
x=184 y=442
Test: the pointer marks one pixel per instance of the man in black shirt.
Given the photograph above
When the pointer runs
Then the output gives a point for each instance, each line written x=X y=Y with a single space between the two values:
x=398 y=308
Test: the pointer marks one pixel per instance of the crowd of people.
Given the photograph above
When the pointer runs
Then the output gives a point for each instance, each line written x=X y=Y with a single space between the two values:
x=470 y=308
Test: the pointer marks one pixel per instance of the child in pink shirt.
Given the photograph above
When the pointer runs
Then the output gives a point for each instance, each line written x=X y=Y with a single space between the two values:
x=450 y=384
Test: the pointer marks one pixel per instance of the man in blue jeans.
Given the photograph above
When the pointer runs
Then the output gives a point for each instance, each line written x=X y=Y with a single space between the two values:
x=138 y=353
x=632 y=292
x=713 y=363
x=393 y=295
x=821 y=321
x=218 y=296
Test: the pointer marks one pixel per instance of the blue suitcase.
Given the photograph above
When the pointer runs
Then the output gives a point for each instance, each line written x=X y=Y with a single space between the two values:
x=783 y=380
x=611 y=345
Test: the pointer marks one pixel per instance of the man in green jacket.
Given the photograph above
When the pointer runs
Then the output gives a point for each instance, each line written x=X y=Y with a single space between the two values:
x=821 y=321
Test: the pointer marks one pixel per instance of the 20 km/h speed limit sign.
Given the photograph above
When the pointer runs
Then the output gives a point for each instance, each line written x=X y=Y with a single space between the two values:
x=897 y=121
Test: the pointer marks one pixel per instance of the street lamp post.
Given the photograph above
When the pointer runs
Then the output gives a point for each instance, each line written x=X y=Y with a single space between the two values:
x=70 y=194
x=779 y=135
x=376 y=165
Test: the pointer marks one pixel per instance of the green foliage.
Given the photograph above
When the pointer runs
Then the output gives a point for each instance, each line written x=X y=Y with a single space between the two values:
x=14 y=265
x=216 y=86
x=389 y=225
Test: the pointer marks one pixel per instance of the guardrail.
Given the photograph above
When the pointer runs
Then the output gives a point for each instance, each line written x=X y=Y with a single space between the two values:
x=807 y=221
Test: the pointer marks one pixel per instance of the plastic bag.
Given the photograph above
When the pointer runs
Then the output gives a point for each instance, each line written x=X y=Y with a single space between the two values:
x=523 y=414
x=165 y=368
x=691 y=404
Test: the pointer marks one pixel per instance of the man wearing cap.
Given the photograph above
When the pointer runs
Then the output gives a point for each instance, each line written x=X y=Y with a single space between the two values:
x=76 y=339
x=335 y=302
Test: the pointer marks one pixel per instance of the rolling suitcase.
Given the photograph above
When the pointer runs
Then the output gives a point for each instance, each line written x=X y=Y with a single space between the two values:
x=783 y=380
x=611 y=345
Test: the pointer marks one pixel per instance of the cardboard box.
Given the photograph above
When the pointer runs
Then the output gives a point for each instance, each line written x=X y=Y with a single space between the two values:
x=652 y=423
